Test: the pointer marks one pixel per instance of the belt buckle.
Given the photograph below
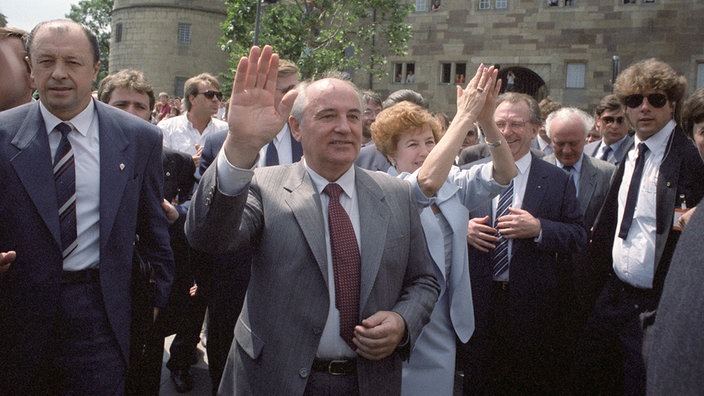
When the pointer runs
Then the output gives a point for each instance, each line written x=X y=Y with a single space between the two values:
x=337 y=367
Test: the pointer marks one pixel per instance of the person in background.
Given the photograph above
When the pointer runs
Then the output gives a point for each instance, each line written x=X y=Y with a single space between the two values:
x=410 y=137
x=372 y=108
x=16 y=83
x=542 y=141
x=612 y=124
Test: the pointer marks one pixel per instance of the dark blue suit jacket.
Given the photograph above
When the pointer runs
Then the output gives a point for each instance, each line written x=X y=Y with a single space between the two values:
x=550 y=196
x=130 y=195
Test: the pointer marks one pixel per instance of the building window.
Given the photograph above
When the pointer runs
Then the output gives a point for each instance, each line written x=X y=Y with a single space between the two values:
x=404 y=73
x=118 y=32
x=501 y=4
x=484 y=4
x=700 y=75
x=421 y=5
x=575 y=75
x=446 y=73
x=453 y=73
x=460 y=73
x=179 y=82
x=184 y=33
x=410 y=73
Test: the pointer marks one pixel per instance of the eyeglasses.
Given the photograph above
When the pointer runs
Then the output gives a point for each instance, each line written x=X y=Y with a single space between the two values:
x=513 y=125
x=370 y=113
x=608 y=120
x=210 y=94
x=656 y=100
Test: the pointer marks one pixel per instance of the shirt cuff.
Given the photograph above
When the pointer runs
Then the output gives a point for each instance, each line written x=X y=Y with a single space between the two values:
x=231 y=179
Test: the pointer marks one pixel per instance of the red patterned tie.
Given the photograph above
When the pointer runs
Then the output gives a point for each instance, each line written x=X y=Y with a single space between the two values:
x=345 y=263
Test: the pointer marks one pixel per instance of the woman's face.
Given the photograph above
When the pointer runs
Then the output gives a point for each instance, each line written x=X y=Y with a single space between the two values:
x=412 y=149
x=698 y=132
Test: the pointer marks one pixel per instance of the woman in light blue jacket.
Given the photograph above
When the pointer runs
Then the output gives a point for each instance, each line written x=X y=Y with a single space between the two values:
x=410 y=137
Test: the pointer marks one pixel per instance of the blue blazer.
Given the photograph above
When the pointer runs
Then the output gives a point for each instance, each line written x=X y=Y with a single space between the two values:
x=131 y=181
x=550 y=196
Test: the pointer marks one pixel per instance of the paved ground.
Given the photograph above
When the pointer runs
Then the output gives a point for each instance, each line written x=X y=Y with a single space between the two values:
x=200 y=374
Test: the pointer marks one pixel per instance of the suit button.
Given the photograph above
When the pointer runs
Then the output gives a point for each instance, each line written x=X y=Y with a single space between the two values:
x=168 y=173
x=304 y=372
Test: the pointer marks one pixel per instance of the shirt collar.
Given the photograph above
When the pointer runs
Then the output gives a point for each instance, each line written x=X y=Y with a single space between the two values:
x=577 y=165
x=657 y=143
x=81 y=122
x=346 y=181
x=523 y=163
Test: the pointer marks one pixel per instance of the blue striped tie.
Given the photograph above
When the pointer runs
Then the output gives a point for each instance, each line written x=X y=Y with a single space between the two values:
x=500 y=261
x=65 y=181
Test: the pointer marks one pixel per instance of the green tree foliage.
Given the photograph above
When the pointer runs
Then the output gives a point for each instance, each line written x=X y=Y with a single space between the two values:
x=96 y=14
x=350 y=35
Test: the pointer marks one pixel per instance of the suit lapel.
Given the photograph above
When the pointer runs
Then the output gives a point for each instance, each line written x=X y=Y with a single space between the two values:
x=534 y=191
x=33 y=166
x=304 y=202
x=373 y=220
x=587 y=183
x=116 y=169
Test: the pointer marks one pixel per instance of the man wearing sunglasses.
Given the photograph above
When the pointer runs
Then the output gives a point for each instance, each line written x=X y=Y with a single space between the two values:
x=188 y=131
x=633 y=238
x=611 y=122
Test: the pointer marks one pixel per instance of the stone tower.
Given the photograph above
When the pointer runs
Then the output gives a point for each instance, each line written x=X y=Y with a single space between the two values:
x=169 y=40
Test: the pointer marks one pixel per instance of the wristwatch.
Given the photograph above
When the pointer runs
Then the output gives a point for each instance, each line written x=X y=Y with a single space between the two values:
x=495 y=144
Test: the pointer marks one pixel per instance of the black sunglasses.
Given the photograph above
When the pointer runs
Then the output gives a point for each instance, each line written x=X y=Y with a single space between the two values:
x=656 y=100
x=608 y=120
x=211 y=94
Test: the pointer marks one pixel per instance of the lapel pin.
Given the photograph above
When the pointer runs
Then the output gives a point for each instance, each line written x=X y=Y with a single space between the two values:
x=122 y=167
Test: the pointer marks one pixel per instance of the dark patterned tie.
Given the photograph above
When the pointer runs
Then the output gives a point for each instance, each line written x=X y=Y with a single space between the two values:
x=605 y=154
x=500 y=261
x=272 y=155
x=633 y=189
x=345 y=263
x=569 y=169
x=65 y=181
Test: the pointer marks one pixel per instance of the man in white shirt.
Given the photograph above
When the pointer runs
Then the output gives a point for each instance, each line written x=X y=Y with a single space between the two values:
x=187 y=132
x=635 y=234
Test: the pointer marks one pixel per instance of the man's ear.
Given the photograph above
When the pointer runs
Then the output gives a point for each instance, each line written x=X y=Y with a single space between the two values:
x=295 y=126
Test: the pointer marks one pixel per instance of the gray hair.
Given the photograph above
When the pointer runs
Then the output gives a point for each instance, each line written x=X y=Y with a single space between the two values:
x=567 y=113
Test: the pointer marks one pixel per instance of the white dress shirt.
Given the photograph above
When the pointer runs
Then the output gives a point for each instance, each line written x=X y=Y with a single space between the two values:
x=634 y=257
x=180 y=135
x=282 y=142
x=519 y=191
x=85 y=143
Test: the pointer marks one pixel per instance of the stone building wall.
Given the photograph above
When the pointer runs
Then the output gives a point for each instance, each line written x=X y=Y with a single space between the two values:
x=149 y=40
x=541 y=39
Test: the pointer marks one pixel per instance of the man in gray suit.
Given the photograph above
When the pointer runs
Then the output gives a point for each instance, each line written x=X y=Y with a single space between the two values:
x=292 y=335
x=611 y=122
x=567 y=129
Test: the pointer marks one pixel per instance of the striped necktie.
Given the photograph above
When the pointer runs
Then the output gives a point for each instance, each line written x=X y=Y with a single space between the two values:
x=65 y=182
x=500 y=261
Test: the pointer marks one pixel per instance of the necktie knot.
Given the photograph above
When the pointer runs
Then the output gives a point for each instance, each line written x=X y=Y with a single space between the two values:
x=642 y=148
x=333 y=191
x=64 y=128
x=568 y=168
x=605 y=153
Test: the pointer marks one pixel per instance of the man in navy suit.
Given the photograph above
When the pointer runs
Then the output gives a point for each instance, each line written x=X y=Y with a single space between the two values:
x=612 y=124
x=65 y=302
x=516 y=304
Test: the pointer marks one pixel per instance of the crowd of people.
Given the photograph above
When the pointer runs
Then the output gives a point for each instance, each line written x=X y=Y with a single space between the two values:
x=342 y=244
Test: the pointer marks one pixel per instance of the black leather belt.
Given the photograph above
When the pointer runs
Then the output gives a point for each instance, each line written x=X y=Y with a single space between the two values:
x=336 y=367
x=80 y=277
x=499 y=285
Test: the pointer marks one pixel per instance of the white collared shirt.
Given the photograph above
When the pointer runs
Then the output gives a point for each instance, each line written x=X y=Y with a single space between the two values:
x=179 y=133
x=282 y=142
x=519 y=191
x=634 y=257
x=85 y=143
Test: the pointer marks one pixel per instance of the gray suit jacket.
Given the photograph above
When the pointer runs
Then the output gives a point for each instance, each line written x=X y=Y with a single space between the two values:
x=594 y=182
x=591 y=149
x=279 y=330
